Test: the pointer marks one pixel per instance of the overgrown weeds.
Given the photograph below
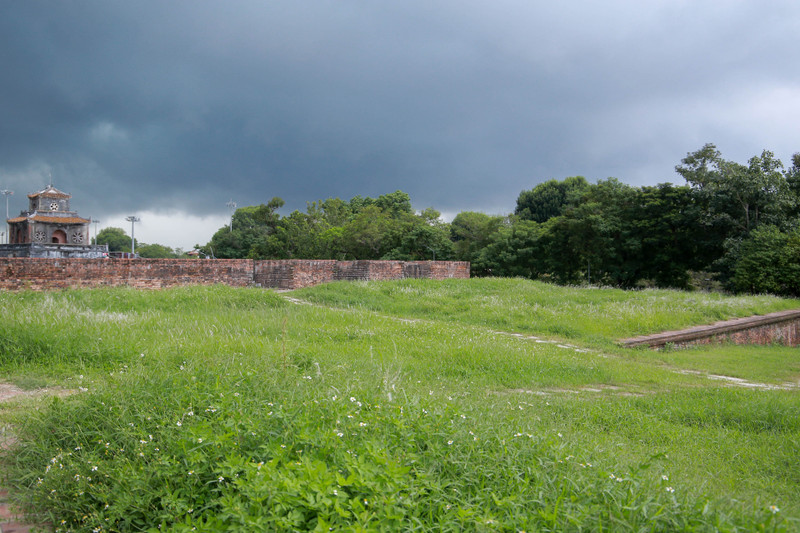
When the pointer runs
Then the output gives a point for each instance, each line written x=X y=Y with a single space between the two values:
x=229 y=409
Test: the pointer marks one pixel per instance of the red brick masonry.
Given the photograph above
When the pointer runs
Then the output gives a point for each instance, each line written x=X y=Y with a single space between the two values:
x=782 y=327
x=41 y=274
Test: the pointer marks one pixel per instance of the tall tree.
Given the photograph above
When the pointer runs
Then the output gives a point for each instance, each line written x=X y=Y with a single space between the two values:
x=548 y=199
x=471 y=232
x=116 y=239
x=739 y=196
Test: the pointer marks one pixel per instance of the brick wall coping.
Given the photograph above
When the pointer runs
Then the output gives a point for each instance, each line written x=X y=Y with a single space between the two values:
x=718 y=328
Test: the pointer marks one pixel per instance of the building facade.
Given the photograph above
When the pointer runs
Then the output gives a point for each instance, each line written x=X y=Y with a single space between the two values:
x=50 y=229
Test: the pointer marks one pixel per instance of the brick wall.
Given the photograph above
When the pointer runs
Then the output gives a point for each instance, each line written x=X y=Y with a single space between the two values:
x=39 y=274
x=297 y=273
x=780 y=327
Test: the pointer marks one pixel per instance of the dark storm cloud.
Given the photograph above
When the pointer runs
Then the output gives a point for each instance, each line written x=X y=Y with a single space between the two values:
x=153 y=105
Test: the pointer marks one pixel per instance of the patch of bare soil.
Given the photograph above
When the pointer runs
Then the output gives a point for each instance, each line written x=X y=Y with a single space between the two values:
x=10 y=521
x=9 y=391
x=739 y=382
x=593 y=389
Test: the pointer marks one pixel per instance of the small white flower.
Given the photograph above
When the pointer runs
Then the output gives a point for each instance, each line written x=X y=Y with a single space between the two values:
x=94 y=469
x=221 y=479
x=449 y=443
x=199 y=441
x=179 y=423
x=774 y=509
x=670 y=489
x=665 y=477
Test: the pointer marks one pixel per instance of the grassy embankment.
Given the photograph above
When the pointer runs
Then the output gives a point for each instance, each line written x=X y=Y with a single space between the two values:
x=402 y=405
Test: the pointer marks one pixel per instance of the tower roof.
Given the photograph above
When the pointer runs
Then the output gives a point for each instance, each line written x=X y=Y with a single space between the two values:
x=49 y=192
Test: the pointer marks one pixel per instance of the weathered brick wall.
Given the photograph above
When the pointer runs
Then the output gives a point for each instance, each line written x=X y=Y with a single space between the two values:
x=39 y=274
x=780 y=327
x=298 y=273
x=784 y=333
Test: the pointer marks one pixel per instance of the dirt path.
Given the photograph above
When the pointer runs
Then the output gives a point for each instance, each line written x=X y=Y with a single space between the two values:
x=9 y=520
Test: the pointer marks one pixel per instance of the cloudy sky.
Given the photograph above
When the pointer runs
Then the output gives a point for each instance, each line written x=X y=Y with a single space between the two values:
x=167 y=110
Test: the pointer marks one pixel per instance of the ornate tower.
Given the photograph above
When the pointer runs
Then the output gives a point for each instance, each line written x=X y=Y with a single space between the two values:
x=49 y=220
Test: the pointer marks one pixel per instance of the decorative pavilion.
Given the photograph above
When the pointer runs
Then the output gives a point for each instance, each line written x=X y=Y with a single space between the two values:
x=50 y=229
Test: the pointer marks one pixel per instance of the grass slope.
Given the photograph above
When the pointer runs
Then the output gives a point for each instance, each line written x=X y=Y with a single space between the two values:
x=395 y=406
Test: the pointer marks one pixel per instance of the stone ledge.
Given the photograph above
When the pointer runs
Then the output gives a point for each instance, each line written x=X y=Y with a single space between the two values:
x=706 y=333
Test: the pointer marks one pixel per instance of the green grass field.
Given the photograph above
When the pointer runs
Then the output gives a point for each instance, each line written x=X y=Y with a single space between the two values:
x=479 y=405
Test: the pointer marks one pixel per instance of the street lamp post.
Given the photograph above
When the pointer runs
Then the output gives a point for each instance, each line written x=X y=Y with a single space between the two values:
x=232 y=206
x=133 y=220
x=95 y=222
x=6 y=193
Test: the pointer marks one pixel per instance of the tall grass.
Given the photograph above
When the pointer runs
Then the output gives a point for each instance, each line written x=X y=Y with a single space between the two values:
x=231 y=409
x=595 y=315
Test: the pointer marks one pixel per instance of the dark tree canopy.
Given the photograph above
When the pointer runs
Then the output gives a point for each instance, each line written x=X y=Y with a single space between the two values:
x=548 y=199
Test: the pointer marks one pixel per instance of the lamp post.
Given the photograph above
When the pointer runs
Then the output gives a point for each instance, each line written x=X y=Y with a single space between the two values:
x=133 y=220
x=95 y=222
x=232 y=206
x=6 y=193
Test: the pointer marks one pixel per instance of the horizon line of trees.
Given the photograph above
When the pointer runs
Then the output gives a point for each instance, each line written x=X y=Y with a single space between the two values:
x=738 y=224
x=119 y=241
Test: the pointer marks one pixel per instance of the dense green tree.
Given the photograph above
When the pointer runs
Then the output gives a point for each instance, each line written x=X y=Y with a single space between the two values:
x=594 y=241
x=367 y=236
x=423 y=243
x=668 y=221
x=515 y=249
x=768 y=260
x=116 y=239
x=739 y=196
x=358 y=204
x=792 y=175
x=471 y=232
x=248 y=235
x=156 y=251
x=395 y=204
x=548 y=199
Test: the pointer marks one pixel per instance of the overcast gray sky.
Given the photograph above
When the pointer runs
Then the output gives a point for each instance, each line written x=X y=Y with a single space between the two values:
x=169 y=109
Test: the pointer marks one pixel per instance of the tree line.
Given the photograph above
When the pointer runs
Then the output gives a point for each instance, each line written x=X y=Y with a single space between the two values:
x=736 y=224
x=118 y=240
